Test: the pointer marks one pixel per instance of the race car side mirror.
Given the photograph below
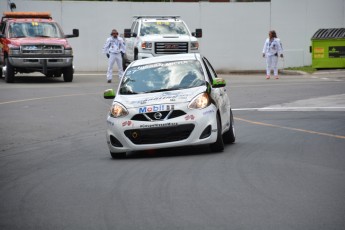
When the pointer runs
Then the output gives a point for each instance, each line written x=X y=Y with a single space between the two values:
x=109 y=94
x=218 y=83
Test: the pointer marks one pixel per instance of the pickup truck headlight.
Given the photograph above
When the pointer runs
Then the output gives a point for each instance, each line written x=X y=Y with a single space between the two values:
x=200 y=102
x=68 y=51
x=14 y=50
x=118 y=110
x=146 y=45
x=194 y=45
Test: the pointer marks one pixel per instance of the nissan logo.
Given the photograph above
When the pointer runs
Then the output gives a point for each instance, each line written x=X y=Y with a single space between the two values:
x=157 y=116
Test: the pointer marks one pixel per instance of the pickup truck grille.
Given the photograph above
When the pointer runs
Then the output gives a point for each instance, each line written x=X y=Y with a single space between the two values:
x=42 y=49
x=171 y=47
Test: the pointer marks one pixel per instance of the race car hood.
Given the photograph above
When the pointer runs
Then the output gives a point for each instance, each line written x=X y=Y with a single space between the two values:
x=36 y=40
x=167 y=97
x=168 y=38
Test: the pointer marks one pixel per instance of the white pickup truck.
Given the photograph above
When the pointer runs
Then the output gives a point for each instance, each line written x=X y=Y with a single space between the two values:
x=152 y=36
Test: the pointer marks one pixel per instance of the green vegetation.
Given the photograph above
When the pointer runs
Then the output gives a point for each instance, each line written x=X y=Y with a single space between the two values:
x=307 y=69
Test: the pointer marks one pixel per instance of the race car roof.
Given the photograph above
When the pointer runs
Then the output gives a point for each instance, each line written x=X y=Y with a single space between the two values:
x=167 y=58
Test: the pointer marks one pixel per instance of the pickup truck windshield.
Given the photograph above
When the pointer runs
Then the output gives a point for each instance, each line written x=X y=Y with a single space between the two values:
x=163 y=27
x=165 y=76
x=34 y=29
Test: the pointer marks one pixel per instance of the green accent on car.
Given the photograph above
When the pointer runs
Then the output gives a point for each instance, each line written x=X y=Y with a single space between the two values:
x=218 y=82
x=109 y=94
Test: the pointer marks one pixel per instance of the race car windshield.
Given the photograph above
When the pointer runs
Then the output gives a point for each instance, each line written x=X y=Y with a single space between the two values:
x=34 y=29
x=158 y=77
x=163 y=27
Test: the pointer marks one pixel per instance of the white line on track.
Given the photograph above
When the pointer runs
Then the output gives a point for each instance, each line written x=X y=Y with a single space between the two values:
x=290 y=128
x=287 y=109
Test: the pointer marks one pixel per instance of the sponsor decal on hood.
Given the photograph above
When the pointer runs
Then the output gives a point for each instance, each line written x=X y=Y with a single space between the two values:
x=159 y=98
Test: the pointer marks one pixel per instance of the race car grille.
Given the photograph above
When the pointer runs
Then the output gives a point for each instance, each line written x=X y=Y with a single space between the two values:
x=153 y=116
x=42 y=49
x=159 y=135
x=171 y=47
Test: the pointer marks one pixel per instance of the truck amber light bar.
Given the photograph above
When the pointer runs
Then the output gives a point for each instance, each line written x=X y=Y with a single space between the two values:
x=27 y=15
x=156 y=16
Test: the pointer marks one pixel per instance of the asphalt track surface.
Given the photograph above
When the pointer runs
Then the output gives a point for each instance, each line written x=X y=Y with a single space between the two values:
x=285 y=171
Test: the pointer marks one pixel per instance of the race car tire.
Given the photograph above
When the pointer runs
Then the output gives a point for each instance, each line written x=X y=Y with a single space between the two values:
x=68 y=74
x=118 y=155
x=218 y=146
x=9 y=74
x=230 y=136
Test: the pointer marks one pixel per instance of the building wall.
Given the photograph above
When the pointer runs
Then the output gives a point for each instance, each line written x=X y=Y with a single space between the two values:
x=233 y=32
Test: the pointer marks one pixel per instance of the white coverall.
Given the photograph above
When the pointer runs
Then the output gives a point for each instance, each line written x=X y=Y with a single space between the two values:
x=272 y=50
x=114 y=47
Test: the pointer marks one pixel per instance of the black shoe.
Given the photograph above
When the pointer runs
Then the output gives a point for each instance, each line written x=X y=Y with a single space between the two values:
x=109 y=81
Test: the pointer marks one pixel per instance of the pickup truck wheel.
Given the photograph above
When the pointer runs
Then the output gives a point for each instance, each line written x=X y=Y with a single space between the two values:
x=135 y=55
x=68 y=74
x=9 y=74
x=124 y=62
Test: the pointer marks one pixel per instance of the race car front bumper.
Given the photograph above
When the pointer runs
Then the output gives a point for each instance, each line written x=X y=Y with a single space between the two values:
x=195 y=128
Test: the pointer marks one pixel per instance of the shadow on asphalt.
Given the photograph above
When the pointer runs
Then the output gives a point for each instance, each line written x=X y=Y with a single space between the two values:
x=169 y=152
x=35 y=79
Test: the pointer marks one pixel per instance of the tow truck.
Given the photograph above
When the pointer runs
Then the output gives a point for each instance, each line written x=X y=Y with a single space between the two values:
x=34 y=42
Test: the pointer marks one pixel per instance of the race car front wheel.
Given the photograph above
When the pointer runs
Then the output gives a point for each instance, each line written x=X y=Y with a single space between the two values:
x=229 y=136
x=218 y=146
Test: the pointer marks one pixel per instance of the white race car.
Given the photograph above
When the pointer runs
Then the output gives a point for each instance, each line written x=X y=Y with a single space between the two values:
x=169 y=101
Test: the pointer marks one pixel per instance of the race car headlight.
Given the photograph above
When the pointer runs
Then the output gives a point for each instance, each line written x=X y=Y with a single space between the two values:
x=146 y=45
x=200 y=102
x=194 y=45
x=118 y=110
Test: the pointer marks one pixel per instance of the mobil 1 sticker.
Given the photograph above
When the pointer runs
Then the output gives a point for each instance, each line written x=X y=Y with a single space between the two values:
x=336 y=52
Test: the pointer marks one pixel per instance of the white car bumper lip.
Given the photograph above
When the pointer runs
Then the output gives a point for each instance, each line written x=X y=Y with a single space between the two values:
x=195 y=128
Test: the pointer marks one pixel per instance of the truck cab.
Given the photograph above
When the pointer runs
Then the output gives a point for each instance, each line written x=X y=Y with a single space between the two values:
x=151 y=36
x=34 y=42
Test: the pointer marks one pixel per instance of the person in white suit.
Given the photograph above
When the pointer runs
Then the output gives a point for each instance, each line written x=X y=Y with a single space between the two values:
x=271 y=51
x=113 y=47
